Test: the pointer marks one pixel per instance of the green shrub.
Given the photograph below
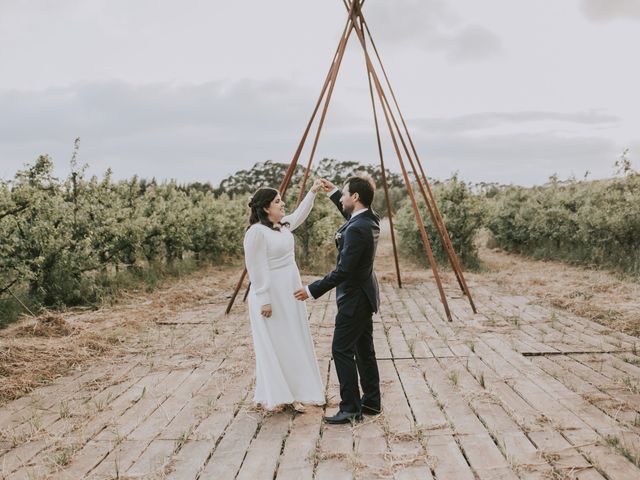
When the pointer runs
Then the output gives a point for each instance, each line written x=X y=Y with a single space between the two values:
x=586 y=222
x=79 y=240
x=463 y=215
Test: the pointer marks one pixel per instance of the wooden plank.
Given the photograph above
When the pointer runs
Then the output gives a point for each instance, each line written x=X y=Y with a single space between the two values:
x=573 y=428
x=565 y=458
x=191 y=458
x=429 y=418
x=447 y=458
x=572 y=374
x=517 y=449
x=122 y=455
x=370 y=449
x=149 y=400
x=335 y=457
x=297 y=460
x=154 y=424
x=154 y=460
x=450 y=399
x=264 y=452
x=229 y=455
x=485 y=458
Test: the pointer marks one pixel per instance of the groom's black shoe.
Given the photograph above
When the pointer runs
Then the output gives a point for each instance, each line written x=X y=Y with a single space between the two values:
x=371 y=409
x=343 y=417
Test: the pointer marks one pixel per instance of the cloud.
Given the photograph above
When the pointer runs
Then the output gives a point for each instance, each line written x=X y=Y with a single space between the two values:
x=205 y=132
x=187 y=132
x=118 y=108
x=607 y=10
x=534 y=156
x=485 y=120
x=525 y=158
x=473 y=43
x=432 y=26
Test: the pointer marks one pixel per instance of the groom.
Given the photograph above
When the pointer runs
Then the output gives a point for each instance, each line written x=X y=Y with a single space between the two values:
x=357 y=297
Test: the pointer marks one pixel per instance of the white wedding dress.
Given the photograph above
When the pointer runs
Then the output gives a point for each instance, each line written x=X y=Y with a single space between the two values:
x=286 y=365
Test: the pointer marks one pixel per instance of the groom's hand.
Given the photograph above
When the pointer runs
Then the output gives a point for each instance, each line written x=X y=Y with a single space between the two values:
x=327 y=185
x=301 y=294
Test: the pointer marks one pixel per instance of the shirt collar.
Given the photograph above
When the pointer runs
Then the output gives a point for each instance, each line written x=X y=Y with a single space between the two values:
x=358 y=212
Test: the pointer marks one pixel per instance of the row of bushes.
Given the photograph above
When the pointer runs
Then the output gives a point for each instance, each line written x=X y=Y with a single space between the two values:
x=65 y=241
x=76 y=241
x=592 y=223
x=69 y=242
x=585 y=222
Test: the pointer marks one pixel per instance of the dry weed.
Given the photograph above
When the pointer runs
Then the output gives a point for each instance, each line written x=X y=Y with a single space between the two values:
x=46 y=325
x=597 y=295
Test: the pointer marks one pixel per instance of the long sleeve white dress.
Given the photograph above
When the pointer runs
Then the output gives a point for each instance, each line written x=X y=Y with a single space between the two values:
x=286 y=365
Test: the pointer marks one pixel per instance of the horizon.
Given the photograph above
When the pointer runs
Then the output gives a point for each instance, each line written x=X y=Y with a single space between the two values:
x=60 y=175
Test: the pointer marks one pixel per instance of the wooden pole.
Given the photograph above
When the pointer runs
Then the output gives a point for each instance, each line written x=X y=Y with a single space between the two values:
x=384 y=178
x=335 y=65
x=334 y=76
x=435 y=213
x=20 y=302
x=388 y=113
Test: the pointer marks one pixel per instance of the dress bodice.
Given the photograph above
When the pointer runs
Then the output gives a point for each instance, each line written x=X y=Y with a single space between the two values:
x=266 y=249
x=280 y=247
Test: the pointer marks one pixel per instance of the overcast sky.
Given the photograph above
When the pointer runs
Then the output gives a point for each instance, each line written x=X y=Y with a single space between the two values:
x=500 y=90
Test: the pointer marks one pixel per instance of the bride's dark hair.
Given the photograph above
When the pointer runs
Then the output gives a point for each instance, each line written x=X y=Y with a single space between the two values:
x=260 y=200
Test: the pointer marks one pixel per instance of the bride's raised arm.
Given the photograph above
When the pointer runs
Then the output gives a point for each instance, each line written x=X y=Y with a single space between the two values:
x=296 y=218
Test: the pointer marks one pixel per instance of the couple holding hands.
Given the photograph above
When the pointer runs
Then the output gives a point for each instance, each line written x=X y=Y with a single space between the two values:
x=287 y=372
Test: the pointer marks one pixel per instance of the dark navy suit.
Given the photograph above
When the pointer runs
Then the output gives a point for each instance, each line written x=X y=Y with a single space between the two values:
x=358 y=298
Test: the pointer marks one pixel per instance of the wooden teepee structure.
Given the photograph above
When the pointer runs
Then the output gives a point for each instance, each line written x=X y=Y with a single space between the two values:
x=402 y=144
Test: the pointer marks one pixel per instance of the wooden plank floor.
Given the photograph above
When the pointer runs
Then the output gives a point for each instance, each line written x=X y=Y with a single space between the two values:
x=516 y=391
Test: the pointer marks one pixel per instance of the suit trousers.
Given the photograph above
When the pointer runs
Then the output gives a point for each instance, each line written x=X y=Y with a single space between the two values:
x=353 y=355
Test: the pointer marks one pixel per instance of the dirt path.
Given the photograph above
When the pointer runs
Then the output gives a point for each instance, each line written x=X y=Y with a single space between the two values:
x=521 y=390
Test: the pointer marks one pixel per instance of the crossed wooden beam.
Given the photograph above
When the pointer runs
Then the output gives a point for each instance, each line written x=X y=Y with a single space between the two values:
x=399 y=137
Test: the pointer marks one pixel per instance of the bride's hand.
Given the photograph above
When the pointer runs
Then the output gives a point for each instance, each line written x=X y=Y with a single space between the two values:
x=265 y=310
x=317 y=185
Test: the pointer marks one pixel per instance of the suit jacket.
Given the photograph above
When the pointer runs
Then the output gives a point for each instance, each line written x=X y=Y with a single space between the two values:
x=353 y=277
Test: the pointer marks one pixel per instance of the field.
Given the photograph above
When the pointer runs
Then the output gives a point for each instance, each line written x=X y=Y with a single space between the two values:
x=542 y=383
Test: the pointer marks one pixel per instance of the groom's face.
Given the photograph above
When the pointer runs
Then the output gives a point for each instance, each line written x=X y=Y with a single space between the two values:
x=348 y=201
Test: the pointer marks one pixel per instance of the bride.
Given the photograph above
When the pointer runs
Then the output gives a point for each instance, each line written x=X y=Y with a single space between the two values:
x=287 y=372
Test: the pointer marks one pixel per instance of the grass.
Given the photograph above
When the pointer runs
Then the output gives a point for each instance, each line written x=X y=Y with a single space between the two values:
x=65 y=411
x=619 y=446
x=614 y=301
x=62 y=456
x=182 y=438
x=101 y=403
x=411 y=343
x=105 y=288
x=514 y=319
x=630 y=384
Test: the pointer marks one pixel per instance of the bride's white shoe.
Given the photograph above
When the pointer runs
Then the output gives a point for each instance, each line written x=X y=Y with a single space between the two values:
x=298 y=407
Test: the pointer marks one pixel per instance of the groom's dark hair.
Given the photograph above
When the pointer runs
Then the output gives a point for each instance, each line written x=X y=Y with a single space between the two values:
x=365 y=188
